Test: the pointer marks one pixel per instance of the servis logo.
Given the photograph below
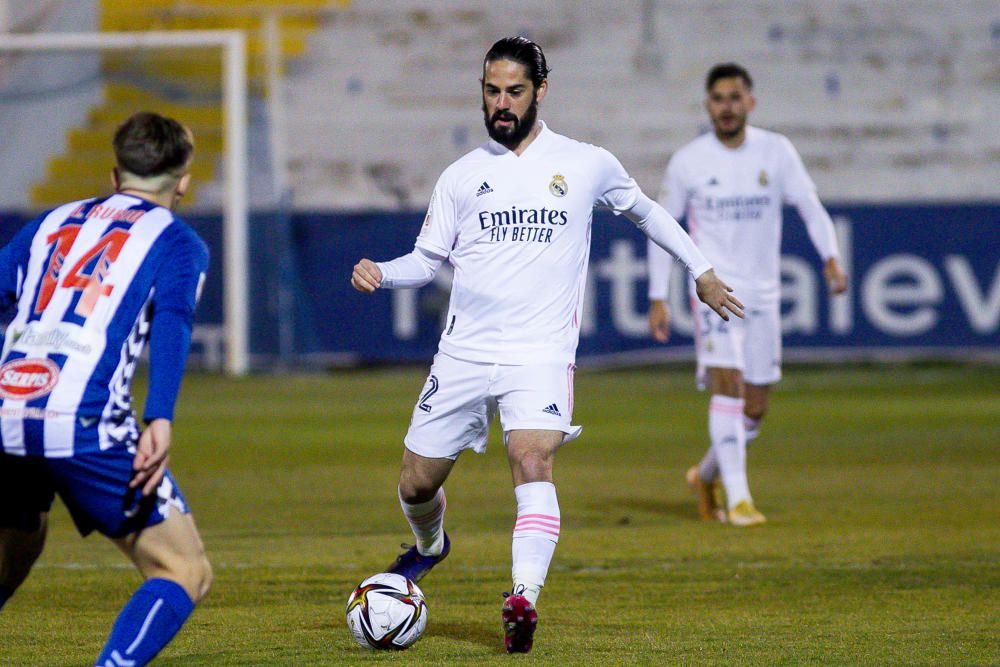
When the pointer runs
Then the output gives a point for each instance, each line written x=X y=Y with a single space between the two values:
x=27 y=379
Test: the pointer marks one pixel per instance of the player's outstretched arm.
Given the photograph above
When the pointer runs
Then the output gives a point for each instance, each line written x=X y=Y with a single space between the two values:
x=413 y=270
x=151 y=456
x=717 y=295
x=659 y=320
x=367 y=277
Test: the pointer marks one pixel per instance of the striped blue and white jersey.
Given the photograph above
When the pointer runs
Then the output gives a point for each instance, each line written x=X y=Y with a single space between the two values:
x=92 y=281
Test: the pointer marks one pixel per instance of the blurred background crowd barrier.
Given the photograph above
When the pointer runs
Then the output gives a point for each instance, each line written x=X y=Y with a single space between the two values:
x=353 y=108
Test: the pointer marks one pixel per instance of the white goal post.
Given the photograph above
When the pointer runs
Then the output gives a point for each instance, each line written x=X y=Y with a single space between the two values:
x=236 y=314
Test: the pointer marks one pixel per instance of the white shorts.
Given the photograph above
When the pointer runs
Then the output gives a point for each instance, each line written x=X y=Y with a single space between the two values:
x=751 y=345
x=459 y=399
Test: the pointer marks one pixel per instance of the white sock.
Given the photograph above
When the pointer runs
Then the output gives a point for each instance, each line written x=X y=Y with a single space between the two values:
x=708 y=469
x=725 y=427
x=427 y=522
x=752 y=428
x=536 y=532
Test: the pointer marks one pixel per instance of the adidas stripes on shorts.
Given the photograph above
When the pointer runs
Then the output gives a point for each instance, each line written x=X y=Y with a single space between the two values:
x=460 y=398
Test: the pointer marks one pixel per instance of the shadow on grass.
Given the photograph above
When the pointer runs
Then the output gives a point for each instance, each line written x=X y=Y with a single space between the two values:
x=487 y=635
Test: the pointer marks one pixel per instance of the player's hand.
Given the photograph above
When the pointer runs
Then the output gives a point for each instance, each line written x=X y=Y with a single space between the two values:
x=716 y=295
x=835 y=277
x=366 y=277
x=659 y=320
x=151 y=458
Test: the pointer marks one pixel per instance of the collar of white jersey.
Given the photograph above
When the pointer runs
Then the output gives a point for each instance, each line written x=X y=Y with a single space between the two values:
x=497 y=148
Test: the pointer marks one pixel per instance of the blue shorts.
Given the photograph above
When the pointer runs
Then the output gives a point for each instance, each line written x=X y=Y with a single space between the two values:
x=94 y=488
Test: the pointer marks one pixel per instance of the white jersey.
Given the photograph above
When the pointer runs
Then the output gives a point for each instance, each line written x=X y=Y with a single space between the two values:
x=732 y=200
x=517 y=231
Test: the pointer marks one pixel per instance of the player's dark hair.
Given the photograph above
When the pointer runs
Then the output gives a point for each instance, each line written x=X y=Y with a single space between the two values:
x=520 y=50
x=727 y=71
x=148 y=144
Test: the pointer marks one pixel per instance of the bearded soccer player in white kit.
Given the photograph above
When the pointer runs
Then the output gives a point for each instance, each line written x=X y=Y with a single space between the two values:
x=513 y=218
x=729 y=185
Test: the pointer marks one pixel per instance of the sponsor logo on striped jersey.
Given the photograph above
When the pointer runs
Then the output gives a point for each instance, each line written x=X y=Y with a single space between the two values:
x=27 y=379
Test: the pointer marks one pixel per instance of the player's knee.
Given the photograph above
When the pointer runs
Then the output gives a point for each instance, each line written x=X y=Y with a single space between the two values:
x=755 y=407
x=195 y=576
x=414 y=488
x=191 y=569
x=204 y=578
x=726 y=381
x=533 y=467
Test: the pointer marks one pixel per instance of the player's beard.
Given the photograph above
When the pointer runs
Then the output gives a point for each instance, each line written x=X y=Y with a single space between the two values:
x=741 y=123
x=512 y=136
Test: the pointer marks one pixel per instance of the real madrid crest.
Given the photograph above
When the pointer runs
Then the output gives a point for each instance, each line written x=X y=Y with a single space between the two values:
x=558 y=186
x=762 y=179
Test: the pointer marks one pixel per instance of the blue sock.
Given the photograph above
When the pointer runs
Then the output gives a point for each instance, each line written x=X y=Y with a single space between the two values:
x=148 y=622
x=5 y=593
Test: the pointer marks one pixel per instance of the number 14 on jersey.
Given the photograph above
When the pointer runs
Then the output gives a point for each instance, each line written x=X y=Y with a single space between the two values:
x=89 y=272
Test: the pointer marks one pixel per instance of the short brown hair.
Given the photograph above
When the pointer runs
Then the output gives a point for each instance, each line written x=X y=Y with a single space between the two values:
x=727 y=71
x=148 y=144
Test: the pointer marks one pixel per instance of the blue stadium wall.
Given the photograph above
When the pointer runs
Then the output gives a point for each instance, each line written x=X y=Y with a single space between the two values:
x=925 y=282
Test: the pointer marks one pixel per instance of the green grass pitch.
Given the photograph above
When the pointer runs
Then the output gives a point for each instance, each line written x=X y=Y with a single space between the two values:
x=881 y=486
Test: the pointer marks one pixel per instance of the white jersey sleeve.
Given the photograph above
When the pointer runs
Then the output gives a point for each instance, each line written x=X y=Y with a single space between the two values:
x=413 y=270
x=658 y=262
x=799 y=191
x=440 y=229
x=620 y=192
x=661 y=228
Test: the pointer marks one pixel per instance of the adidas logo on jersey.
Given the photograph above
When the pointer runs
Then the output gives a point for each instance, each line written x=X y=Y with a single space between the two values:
x=484 y=189
x=552 y=410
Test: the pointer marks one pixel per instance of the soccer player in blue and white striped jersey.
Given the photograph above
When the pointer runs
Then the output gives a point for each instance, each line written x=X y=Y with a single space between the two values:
x=92 y=281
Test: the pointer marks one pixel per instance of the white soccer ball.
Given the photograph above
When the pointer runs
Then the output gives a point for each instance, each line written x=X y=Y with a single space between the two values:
x=386 y=611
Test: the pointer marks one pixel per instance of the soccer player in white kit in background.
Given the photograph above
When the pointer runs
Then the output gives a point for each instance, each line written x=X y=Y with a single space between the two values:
x=513 y=218
x=729 y=185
